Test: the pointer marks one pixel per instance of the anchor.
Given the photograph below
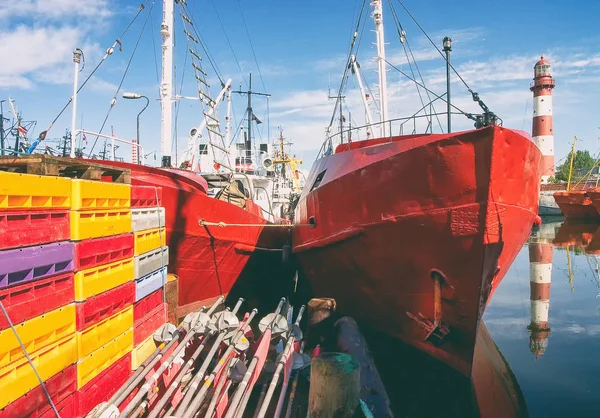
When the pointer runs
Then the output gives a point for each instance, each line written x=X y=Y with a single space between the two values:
x=436 y=330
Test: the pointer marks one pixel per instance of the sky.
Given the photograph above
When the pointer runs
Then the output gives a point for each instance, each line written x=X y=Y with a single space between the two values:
x=296 y=52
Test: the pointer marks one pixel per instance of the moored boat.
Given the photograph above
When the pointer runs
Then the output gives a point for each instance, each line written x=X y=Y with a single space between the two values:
x=576 y=204
x=208 y=259
x=419 y=259
x=411 y=234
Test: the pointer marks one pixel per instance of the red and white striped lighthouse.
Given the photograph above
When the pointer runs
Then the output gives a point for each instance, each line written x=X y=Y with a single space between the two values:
x=542 y=132
x=540 y=277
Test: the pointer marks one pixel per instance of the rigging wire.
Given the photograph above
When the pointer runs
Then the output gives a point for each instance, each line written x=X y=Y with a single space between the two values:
x=345 y=75
x=251 y=46
x=434 y=45
x=229 y=43
x=155 y=57
x=401 y=31
x=113 y=101
x=108 y=53
x=438 y=97
x=211 y=60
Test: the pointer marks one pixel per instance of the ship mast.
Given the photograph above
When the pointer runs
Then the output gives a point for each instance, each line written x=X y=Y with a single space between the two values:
x=378 y=19
x=166 y=86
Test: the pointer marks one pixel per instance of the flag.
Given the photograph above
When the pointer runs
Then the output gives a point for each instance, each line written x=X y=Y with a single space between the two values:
x=21 y=129
x=85 y=138
x=257 y=120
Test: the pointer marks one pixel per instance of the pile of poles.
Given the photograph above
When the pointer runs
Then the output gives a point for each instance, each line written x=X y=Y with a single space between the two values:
x=209 y=367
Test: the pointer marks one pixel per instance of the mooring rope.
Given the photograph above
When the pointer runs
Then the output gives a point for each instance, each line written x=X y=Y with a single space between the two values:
x=29 y=359
x=222 y=224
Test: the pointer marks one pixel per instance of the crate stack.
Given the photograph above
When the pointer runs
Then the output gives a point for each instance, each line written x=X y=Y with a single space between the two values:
x=151 y=260
x=104 y=289
x=37 y=294
x=83 y=265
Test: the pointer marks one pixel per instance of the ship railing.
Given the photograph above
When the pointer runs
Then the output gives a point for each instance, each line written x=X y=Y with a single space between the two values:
x=396 y=127
x=114 y=139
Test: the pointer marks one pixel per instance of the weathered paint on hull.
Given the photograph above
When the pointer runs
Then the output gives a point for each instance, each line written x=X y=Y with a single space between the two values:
x=387 y=215
x=210 y=260
x=576 y=205
x=594 y=195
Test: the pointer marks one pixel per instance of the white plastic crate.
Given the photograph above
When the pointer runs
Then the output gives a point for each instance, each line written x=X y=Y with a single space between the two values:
x=151 y=261
x=147 y=218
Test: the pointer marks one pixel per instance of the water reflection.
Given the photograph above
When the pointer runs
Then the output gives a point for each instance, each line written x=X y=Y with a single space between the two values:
x=550 y=293
x=559 y=305
x=419 y=386
x=541 y=249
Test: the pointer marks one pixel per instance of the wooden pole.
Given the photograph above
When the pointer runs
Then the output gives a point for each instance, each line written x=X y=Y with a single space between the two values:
x=334 y=386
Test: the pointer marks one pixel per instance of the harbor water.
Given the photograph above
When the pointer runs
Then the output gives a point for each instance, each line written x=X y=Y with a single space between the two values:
x=537 y=350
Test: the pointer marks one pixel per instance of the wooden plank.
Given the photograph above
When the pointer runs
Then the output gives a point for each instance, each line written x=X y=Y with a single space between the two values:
x=48 y=165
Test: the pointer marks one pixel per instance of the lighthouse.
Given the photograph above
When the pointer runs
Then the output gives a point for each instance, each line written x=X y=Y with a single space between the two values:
x=540 y=278
x=542 y=132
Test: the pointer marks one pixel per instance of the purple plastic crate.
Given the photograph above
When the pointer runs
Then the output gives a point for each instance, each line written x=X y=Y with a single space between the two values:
x=33 y=263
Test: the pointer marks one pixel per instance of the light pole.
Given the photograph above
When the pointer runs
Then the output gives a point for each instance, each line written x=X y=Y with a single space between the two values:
x=447 y=48
x=135 y=96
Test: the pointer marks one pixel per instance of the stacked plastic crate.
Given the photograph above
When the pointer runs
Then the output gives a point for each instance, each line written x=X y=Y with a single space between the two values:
x=104 y=289
x=151 y=260
x=36 y=295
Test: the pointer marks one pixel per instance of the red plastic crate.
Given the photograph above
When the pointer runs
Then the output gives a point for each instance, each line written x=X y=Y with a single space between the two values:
x=103 y=386
x=99 y=307
x=23 y=229
x=31 y=299
x=35 y=404
x=143 y=306
x=146 y=326
x=96 y=252
x=145 y=196
x=65 y=408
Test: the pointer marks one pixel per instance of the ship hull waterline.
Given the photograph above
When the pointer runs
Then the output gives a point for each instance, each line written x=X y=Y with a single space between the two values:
x=210 y=261
x=418 y=231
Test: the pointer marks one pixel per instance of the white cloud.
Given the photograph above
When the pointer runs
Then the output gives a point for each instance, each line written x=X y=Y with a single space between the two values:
x=41 y=44
x=54 y=9
x=32 y=50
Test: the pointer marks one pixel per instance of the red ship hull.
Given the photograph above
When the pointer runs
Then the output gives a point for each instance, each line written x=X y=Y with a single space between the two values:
x=389 y=213
x=211 y=261
x=576 y=204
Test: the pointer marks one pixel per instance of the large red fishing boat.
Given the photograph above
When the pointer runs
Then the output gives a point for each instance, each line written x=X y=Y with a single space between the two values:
x=411 y=234
x=210 y=260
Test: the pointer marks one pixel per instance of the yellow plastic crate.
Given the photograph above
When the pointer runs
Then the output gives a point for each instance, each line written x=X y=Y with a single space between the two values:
x=28 y=191
x=37 y=333
x=149 y=240
x=99 y=279
x=143 y=350
x=95 y=363
x=99 y=334
x=99 y=195
x=18 y=377
x=98 y=224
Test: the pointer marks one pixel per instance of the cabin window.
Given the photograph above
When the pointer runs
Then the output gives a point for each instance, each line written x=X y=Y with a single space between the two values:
x=203 y=148
x=318 y=180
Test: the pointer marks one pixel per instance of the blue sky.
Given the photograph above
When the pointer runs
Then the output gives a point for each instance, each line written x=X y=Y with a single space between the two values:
x=301 y=50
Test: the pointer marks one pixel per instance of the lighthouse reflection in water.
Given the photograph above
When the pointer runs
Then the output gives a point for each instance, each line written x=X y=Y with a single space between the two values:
x=545 y=320
x=538 y=348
